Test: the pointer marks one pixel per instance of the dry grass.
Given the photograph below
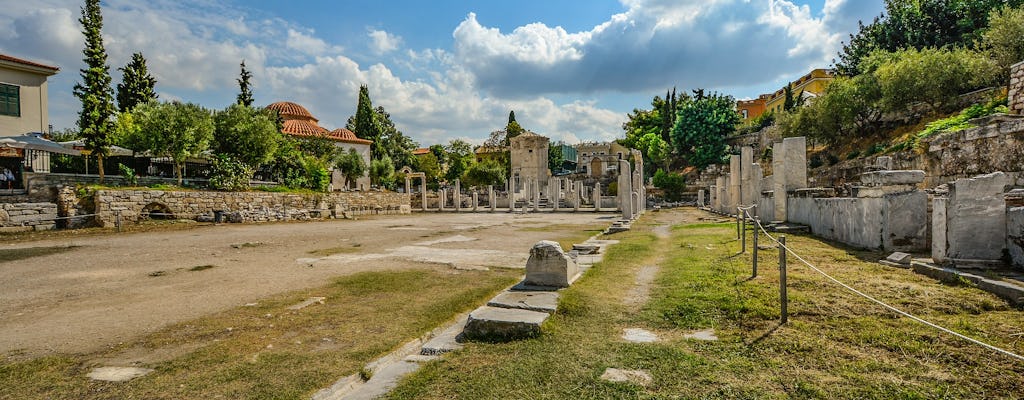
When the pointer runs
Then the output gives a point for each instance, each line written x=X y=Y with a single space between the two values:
x=836 y=345
x=266 y=350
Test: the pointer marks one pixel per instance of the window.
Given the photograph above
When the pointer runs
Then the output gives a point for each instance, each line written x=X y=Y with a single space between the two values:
x=10 y=100
x=744 y=114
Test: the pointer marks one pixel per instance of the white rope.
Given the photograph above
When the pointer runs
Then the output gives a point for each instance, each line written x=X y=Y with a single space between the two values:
x=891 y=308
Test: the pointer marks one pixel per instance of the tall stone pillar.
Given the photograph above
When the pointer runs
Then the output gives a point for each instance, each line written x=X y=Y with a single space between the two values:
x=457 y=195
x=423 y=192
x=625 y=190
x=735 y=177
x=408 y=190
x=789 y=171
x=597 y=196
x=536 y=196
x=441 y=199
x=554 y=191
x=723 y=193
x=576 y=194
x=746 y=176
x=700 y=198
x=490 y=197
x=476 y=200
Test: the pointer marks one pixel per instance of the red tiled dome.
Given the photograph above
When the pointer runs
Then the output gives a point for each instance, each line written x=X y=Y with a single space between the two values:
x=300 y=127
x=289 y=110
x=345 y=135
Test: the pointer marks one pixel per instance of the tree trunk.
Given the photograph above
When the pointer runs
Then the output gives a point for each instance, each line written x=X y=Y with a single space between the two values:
x=99 y=161
x=177 y=172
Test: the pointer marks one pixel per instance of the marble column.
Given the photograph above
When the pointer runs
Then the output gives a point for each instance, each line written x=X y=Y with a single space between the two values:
x=625 y=190
x=441 y=200
x=423 y=192
x=597 y=196
x=457 y=195
x=490 y=197
x=476 y=199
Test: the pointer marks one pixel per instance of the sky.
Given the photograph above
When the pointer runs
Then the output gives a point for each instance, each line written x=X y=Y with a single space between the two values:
x=445 y=69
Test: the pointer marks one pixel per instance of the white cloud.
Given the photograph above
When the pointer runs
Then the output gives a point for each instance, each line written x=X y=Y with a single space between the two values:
x=308 y=44
x=384 y=42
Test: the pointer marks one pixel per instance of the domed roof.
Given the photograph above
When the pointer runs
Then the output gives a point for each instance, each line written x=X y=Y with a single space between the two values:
x=289 y=110
x=299 y=127
x=345 y=135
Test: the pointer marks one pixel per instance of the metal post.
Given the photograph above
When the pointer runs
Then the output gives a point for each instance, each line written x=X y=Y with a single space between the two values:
x=757 y=221
x=783 y=298
x=743 y=247
x=737 y=223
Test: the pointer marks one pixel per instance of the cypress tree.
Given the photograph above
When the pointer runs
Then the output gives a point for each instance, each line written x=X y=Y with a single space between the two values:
x=511 y=116
x=365 y=119
x=94 y=120
x=244 y=93
x=136 y=85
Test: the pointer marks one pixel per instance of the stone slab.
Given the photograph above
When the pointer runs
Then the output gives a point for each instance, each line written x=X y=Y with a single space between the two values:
x=546 y=302
x=308 y=302
x=584 y=248
x=706 y=335
x=447 y=340
x=899 y=258
x=638 y=377
x=637 y=335
x=117 y=374
x=548 y=265
x=887 y=178
x=1012 y=293
x=493 y=323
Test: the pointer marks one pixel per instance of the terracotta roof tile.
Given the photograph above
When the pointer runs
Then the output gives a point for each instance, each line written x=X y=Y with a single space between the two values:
x=420 y=151
x=289 y=110
x=298 y=127
x=347 y=136
x=8 y=58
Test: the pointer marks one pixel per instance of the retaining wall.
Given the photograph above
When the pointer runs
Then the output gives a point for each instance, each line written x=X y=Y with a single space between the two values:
x=27 y=216
x=889 y=222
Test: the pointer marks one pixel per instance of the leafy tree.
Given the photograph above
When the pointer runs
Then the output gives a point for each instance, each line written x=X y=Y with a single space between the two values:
x=244 y=90
x=440 y=153
x=919 y=24
x=673 y=184
x=849 y=107
x=702 y=126
x=246 y=134
x=488 y=172
x=932 y=76
x=176 y=130
x=382 y=172
x=430 y=167
x=95 y=120
x=352 y=166
x=555 y=156
x=319 y=147
x=1004 y=39
x=460 y=157
x=511 y=116
x=654 y=149
x=136 y=85
x=230 y=173
x=512 y=130
x=393 y=143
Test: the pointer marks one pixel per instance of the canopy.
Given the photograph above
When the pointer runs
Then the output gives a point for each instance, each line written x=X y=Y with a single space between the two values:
x=112 y=151
x=29 y=141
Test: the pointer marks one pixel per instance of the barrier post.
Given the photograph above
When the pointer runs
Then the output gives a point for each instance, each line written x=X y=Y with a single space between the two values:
x=783 y=297
x=743 y=243
x=757 y=223
x=738 y=211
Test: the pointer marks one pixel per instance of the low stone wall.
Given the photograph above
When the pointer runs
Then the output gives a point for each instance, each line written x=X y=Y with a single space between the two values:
x=971 y=223
x=133 y=205
x=1015 y=235
x=890 y=222
x=27 y=216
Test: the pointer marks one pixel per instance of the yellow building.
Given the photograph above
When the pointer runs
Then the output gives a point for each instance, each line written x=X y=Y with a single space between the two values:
x=810 y=85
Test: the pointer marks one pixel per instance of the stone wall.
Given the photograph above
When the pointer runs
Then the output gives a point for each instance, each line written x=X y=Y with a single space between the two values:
x=133 y=205
x=971 y=223
x=27 y=216
x=891 y=222
x=1016 y=94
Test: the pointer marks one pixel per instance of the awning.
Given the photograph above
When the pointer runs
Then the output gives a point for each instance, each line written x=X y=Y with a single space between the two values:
x=31 y=142
x=112 y=151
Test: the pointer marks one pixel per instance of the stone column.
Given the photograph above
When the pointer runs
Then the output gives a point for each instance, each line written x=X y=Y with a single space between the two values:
x=490 y=197
x=556 y=194
x=441 y=199
x=638 y=183
x=536 y=196
x=596 y=193
x=576 y=194
x=476 y=199
x=700 y=198
x=457 y=195
x=746 y=176
x=735 y=179
x=625 y=190
x=408 y=190
x=423 y=192
x=789 y=165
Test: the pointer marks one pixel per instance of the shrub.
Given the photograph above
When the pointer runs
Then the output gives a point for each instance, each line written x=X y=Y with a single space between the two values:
x=853 y=154
x=230 y=173
x=128 y=174
x=672 y=184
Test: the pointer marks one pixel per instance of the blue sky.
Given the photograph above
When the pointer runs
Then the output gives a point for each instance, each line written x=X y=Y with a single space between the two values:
x=447 y=69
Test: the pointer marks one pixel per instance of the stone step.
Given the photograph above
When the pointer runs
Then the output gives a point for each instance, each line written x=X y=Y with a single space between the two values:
x=447 y=340
x=546 y=302
x=493 y=323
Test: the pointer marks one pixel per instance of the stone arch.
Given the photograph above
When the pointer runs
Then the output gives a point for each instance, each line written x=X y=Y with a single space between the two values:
x=156 y=210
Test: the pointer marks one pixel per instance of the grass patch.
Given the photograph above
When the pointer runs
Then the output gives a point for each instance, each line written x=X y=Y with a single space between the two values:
x=330 y=251
x=836 y=345
x=21 y=254
x=267 y=351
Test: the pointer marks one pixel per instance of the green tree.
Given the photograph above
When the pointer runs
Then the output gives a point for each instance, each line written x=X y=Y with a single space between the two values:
x=460 y=158
x=352 y=166
x=488 y=172
x=136 y=85
x=176 y=130
x=95 y=120
x=246 y=134
x=365 y=124
x=319 y=147
x=393 y=143
x=702 y=126
x=654 y=149
x=1004 y=39
x=935 y=77
x=672 y=184
x=430 y=167
x=511 y=116
x=555 y=156
x=244 y=90
x=382 y=172
x=230 y=173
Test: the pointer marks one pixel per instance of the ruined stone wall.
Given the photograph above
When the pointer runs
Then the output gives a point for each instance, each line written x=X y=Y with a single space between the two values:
x=132 y=205
x=1016 y=94
x=27 y=216
x=890 y=222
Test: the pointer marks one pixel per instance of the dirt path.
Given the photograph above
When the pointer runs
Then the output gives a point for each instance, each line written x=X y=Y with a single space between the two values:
x=110 y=288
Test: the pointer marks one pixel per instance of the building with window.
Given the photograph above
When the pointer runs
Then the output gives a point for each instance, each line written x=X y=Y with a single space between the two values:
x=23 y=98
x=600 y=159
x=808 y=86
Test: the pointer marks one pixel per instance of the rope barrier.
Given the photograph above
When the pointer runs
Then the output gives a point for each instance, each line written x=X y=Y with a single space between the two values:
x=887 y=306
